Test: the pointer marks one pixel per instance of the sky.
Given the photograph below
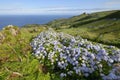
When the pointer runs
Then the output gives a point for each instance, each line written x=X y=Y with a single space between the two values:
x=56 y=6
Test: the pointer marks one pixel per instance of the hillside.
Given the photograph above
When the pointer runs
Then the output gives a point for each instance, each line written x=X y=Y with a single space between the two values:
x=102 y=27
x=21 y=59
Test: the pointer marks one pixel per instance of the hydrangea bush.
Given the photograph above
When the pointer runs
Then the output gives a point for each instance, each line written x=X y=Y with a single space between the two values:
x=75 y=58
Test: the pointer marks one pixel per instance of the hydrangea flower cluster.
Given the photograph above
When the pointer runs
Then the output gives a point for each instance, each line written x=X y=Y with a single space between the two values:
x=74 y=57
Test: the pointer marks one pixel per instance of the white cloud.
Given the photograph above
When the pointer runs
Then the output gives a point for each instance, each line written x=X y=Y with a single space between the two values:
x=52 y=10
x=113 y=2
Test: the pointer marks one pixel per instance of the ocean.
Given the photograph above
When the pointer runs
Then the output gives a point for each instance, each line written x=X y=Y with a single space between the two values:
x=21 y=20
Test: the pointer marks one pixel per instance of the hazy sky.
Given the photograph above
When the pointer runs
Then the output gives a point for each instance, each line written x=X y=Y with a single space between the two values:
x=56 y=6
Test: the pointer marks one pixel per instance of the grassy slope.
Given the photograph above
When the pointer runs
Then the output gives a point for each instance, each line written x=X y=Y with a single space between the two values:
x=99 y=27
x=15 y=51
x=15 y=56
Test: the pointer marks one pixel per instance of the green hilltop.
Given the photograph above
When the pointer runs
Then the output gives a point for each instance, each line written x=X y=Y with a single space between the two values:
x=101 y=27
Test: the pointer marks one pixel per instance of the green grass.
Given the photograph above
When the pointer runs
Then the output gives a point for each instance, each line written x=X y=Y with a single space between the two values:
x=16 y=56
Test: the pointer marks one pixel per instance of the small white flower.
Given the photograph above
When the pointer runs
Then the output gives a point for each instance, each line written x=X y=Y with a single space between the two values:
x=100 y=66
x=70 y=72
x=62 y=75
x=86 y=74
x=110 y=60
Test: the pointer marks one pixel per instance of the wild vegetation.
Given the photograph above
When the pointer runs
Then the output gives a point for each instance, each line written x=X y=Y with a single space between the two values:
x=16 y=60
x=21 y=56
